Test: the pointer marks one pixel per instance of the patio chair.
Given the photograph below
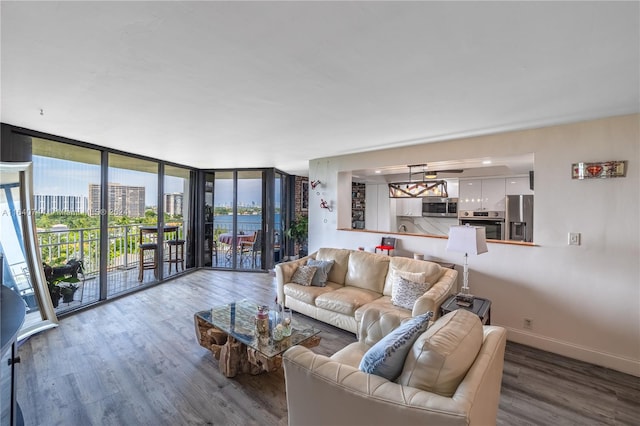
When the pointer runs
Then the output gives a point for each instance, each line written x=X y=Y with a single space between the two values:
x=251 y=247
x=148 y=259
x=214 y=251
x=176 y=253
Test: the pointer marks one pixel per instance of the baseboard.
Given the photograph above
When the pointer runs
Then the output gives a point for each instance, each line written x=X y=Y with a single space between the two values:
x=604 y=359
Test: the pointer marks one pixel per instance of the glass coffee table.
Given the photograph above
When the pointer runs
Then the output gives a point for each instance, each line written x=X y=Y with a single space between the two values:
x=229 y=332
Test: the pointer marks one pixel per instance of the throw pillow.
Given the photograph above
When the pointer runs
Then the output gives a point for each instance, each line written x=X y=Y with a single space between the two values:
x=405 y=292
x=417 y=277
x=441 y=357
x=322 y=273
x=386 y=357
x=303 y=275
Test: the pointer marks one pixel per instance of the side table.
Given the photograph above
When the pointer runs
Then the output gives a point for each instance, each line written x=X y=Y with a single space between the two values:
x=481 y=307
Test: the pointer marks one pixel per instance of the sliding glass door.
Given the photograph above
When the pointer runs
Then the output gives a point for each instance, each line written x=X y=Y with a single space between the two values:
x=237 y=219
x=250 y=220
x=237 y=231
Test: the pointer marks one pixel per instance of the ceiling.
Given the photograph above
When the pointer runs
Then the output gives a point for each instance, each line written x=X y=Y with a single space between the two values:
x=275 y=84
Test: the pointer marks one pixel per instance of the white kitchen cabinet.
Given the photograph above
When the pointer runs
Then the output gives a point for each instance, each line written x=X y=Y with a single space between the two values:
x=469 y=194
x=377 y=208
x=493 y=194
x=411 y=207
x=482 y=194
x=518 y=186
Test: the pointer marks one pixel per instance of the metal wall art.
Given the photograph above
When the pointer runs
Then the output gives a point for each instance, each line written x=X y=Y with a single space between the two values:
x=599 y=170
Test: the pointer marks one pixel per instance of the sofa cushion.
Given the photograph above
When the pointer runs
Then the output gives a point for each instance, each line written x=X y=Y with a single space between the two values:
x=383 y=304
x=440 y=358
x=432 y=270
x=304 y=275
x=341 y=262
x=345 y=300
x=308 y=294
x=322 y=273
x=386 y=358
x=405 y=292
x=367 y=270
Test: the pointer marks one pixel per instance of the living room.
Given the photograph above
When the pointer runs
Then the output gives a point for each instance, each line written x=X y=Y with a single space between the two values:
x=583 y=301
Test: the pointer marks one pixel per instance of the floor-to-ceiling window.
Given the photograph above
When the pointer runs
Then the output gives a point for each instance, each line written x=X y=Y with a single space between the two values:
x=279 y=217
x=124 y=217
x=243 y=218
x=66 y=180
x=249 y=218
x=210 y=243
x=223 y=205
x=135 y=244
x=177 y=200
x=97 y=214
x=237 y=219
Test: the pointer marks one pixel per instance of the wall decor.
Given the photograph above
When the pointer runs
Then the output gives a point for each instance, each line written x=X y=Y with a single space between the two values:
x=326 y=205
x=599 y=170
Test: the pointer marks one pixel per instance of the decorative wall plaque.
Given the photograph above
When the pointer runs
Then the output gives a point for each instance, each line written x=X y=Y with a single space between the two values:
x=599 y=170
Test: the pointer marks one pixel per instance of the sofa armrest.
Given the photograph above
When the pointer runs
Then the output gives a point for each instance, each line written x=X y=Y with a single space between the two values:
x=284 y=272
x=436 y=295
x=316 y=385
x=481 y=385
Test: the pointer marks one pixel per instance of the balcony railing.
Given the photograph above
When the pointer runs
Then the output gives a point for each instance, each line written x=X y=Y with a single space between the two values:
x=57 y=247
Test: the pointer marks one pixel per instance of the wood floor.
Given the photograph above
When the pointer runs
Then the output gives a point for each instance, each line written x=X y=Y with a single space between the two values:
x=135 y=361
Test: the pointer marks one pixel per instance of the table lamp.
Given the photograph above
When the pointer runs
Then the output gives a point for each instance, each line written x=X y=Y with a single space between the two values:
x=468 y=240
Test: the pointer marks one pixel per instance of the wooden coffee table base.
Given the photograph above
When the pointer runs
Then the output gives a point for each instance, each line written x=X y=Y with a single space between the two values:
x=234 y=356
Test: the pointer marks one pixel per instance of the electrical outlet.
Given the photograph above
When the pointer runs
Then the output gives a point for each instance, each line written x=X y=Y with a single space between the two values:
x=527 y=324
x=574 y=238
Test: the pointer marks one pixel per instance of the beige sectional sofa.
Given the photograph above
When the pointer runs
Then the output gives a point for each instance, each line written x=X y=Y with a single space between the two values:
x=451 y=376
x=359 y=280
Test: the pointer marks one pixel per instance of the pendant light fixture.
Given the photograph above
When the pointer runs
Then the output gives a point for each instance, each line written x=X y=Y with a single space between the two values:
x=414 y=188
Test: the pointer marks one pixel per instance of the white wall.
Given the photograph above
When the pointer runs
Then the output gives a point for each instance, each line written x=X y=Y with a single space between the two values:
x=584 y=300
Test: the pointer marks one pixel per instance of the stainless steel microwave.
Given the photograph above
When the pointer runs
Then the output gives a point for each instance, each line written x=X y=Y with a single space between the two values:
x=439 y=207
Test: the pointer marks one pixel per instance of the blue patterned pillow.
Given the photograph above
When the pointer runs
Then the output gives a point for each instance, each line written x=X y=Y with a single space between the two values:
x=386 y=358
x=322 y=273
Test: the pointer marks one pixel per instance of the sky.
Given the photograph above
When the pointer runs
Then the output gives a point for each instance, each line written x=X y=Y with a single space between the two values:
x=52 y=176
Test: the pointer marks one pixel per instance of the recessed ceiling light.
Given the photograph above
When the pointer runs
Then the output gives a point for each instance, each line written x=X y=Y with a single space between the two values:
x=378 y=171
x=486 y=162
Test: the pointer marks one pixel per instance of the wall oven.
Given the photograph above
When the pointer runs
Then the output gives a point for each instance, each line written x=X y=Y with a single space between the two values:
x=492 y=221
x=439 y=207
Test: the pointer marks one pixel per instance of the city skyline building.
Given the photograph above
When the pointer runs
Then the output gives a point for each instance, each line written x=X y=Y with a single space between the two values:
x=173 y=203
x=44 y=203
x=124 y=200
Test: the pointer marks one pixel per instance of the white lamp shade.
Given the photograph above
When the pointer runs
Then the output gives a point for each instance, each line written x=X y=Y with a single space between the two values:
x=467 y=239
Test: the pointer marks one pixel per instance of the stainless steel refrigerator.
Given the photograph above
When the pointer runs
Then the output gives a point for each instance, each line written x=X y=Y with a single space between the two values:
x=519 y=218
